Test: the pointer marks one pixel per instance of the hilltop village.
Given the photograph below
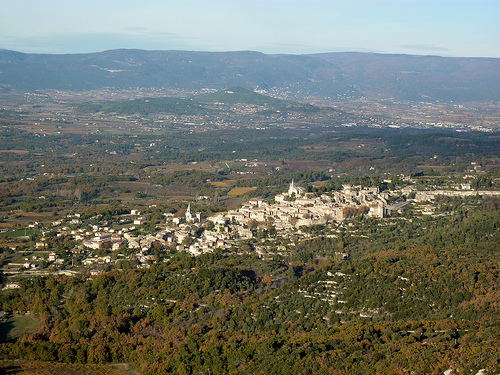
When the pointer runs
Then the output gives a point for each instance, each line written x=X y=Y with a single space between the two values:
x=271 y=227
x=289 y=216
x=295 y=209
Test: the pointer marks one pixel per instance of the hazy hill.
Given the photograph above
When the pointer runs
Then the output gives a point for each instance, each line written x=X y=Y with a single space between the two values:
x=199 y=104
x=333 y=75
x=176 y=106
x=420 y=77
x=237 y=94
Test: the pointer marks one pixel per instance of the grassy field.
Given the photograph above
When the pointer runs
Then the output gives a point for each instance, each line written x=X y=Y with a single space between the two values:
x=14 y=326
x=20 y=367
x=22 y=233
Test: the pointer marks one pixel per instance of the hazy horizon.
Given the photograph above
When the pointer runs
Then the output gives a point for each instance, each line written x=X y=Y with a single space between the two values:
x=234 y=51
x=463 y=28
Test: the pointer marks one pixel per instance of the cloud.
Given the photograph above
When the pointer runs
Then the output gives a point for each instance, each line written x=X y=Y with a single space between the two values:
x=423 y=47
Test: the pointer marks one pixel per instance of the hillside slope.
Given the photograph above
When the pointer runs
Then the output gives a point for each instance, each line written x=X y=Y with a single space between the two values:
x=334 y=75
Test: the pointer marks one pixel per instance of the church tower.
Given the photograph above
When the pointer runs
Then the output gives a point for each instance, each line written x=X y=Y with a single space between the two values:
x=189 y=214
x=297 y=190
x=192 y=217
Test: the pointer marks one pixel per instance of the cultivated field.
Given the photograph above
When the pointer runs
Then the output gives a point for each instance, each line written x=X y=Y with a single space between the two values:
x=239 y=191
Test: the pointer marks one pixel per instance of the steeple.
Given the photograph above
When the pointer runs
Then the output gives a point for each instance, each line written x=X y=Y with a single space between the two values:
x=189 y=215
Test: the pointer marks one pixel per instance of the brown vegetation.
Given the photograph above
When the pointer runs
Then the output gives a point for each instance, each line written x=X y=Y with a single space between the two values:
x=20 y=367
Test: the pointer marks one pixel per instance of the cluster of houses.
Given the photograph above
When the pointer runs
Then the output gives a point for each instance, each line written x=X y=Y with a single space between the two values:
x=291 y=210
x=423 y=196
x=295 y=208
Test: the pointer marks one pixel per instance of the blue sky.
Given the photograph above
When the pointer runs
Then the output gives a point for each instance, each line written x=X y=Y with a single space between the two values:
x=421 y=27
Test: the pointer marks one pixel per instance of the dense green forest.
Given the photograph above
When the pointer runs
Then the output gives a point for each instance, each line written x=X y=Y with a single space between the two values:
x=385 y=148
x=421 y=296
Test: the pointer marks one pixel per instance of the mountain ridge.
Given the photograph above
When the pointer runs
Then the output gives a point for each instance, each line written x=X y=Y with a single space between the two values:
x=333 y=75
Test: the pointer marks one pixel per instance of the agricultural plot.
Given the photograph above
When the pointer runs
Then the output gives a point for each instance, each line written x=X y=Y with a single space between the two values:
x=240 y=191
